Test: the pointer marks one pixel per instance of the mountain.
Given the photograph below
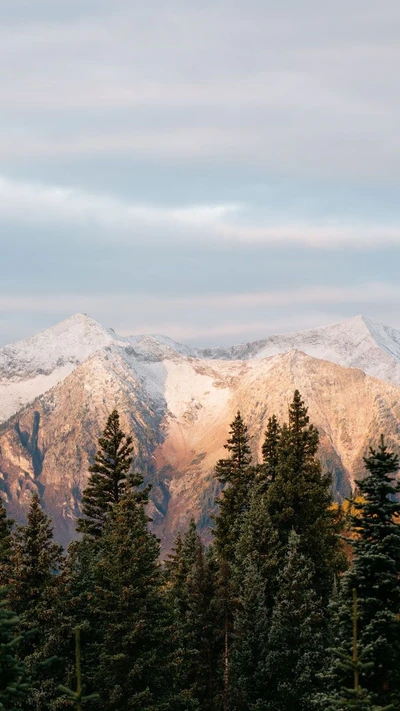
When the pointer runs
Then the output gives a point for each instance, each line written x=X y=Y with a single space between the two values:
x=356 y=343
x=178 y=402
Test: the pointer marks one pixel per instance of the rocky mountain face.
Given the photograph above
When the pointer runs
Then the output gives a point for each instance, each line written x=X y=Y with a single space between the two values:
x=57 y=388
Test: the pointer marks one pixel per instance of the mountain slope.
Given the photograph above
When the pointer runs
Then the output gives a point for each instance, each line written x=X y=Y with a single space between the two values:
x=178 y=410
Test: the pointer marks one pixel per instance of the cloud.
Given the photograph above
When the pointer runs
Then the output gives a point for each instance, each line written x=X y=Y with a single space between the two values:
x=110 y=218
x=317 y=295
x=288 y=89
x=26 y=202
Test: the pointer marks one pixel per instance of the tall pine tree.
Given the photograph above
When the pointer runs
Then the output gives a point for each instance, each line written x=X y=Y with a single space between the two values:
x=375 y=576
x=300 y=498
x=110 y=477
x=129 y=608
x=35 y=563
x=296 y=638
x=249 y=684
x=355 y=698
x=236 y=475
x=196 y=644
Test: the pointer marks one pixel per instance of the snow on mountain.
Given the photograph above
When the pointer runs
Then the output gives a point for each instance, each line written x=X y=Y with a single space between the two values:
x=178 y=411
x=31 y=367
x=356 y=343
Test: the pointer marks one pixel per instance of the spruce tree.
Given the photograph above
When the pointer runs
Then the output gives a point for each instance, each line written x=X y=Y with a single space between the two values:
x=270 y=452
x=110 y=477
x=237 y=475
x=196 y=647
x=296 y=638
x=249 y=684
x=34 y=584
x=355 y=698
x=375 y=576
x=13 y=678
x=300 y=498
x=129 y=609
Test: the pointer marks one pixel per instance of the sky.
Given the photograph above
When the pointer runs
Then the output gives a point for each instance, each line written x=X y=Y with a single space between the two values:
x=215 y=171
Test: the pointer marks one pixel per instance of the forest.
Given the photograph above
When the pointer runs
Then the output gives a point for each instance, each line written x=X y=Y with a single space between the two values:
x=294 y=606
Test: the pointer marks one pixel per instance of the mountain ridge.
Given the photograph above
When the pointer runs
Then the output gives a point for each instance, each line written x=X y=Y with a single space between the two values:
x=177 y=404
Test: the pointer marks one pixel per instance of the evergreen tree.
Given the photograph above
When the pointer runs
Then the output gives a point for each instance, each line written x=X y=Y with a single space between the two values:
x=375 y=576
x=237 y=475
x=249 y=685
x=270 y=452
x=296 y=638
x=35 y=563
x=196 y=648
x=78 y=695
x=13 y=677
x=6 y=525
x=129 y=608
x=300 y=498
x=259 y=542
x=110 y=478
x=356 y=698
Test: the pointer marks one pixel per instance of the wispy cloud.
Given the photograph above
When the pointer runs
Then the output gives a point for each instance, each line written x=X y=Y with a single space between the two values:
x=34 y=202
x=215 y=224
x=318 y=295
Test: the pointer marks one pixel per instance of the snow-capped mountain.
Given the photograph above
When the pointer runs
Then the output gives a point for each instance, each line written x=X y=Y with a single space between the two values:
x=356 y=343
x=178 y=402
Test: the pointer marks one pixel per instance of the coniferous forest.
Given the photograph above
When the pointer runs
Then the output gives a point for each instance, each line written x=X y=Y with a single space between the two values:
x=294 y=606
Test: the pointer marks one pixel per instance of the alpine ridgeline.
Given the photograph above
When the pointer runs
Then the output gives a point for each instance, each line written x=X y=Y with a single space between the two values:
x=58 y=388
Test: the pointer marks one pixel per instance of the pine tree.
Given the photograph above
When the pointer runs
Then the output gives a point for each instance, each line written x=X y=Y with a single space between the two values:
x=259 y=541
x=355 y=698
x=296 y=638
x=110 y=478
x=129 y=608
x=6 y=525
x=237 y=475
x=13 y=678
x=375 y=576
x=270 y=452
x=35 y=563
x=300 y=498
x=249 y=685
x=196 y=648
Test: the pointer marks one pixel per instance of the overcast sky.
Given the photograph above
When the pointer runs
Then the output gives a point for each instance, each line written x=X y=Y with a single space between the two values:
x=215 y=171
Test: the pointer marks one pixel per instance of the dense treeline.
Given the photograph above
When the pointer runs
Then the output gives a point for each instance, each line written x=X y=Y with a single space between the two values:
x=271 y=617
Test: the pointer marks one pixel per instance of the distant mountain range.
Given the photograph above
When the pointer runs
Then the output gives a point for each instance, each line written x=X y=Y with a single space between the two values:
x=57 y=388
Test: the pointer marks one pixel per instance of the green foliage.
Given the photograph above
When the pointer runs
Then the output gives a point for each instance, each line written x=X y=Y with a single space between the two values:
x=191 y=591
x=6 y=525
x=34 y=584
x=270 y=452
x=128 y=608
x=237 y=475
x=296 y=638
x=110 y=478
x=375 y=575
x=13 y=678
x=355 y=698
x=300 y=498
x=250 y=689
x=241 y=626
x=78 y=696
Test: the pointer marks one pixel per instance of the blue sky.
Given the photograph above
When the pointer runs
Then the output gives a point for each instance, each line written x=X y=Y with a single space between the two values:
x=213 y=171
